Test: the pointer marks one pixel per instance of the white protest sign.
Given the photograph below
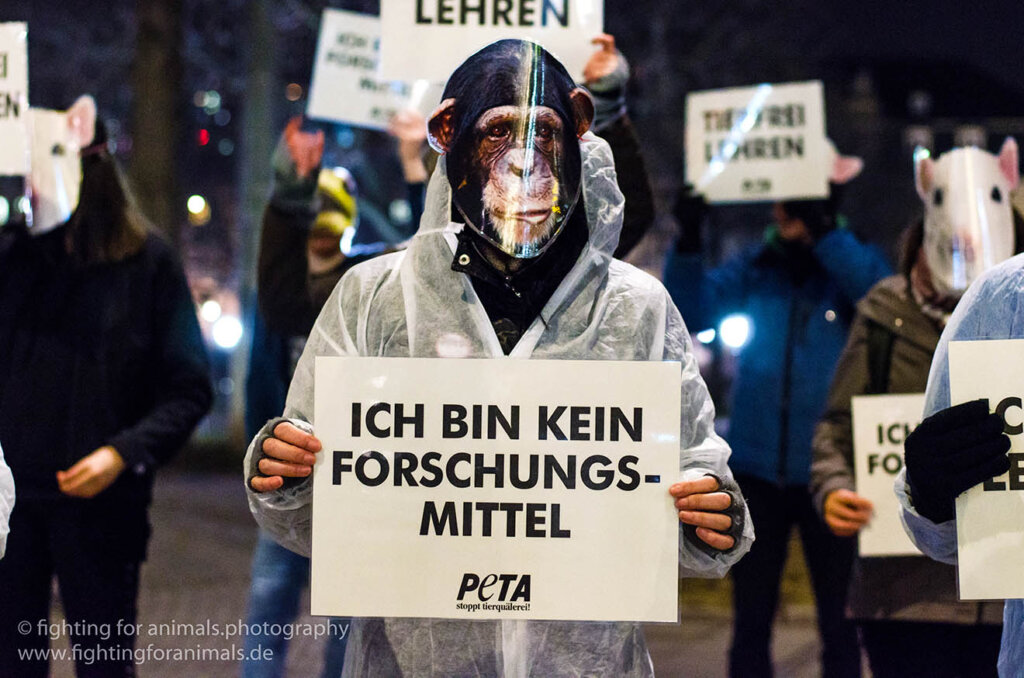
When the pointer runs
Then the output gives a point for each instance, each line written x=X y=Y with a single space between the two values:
x=430 y=38
x=346 y=86
x=496 y=489
x=880 y=425
x=757 y=143
x=990 y=516
x=14 y=154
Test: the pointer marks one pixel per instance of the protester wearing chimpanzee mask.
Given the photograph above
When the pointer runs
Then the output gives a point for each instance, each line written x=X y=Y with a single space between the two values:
x=513 y=257
x=797 y=289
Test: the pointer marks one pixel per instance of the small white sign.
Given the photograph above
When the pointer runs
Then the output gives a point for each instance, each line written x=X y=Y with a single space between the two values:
x=346 y=85
x=762 y=143
x=880 y=425
x=990 y=516
x=14 y=153
x=496 y=489
x=430 y=38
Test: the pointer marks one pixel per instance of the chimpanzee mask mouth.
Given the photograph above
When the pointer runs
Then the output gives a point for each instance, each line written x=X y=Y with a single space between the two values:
x=508 y=125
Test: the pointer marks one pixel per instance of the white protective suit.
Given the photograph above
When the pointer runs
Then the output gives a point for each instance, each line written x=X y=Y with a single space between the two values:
x=6 y=502
x=412 y=304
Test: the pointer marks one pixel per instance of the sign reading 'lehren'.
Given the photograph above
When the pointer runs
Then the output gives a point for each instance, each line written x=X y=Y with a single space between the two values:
x=429 y=38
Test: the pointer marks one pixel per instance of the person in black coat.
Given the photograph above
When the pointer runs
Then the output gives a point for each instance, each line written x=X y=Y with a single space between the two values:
x=103 y=376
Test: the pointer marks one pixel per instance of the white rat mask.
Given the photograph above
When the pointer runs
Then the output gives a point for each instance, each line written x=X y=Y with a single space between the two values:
x=968 y=222
x=56 y=175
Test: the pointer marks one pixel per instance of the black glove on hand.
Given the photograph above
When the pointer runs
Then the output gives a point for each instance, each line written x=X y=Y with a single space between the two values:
x=737 y=511
x=690 y=210
x=951 y=452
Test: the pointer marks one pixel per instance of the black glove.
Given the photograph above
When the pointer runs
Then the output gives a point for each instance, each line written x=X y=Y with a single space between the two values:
x=951 y=452
x=737 y=511
x=690 y=210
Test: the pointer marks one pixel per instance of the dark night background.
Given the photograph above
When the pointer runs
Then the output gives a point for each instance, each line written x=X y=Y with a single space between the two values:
x=170 y=76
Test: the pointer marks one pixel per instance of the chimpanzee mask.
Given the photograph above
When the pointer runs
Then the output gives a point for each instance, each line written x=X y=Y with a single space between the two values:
x=509 y=123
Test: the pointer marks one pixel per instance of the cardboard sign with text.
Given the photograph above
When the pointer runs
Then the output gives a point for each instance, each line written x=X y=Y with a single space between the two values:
x=990 y=516
x=880 y=425
x=496 y=489
x=14 y=153
x=430 y=38
x=762 y=143
x=346 y=85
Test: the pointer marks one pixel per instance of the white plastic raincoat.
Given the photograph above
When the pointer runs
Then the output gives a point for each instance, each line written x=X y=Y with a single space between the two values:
x=990 y=309
x=6 y=502
x=412 y=304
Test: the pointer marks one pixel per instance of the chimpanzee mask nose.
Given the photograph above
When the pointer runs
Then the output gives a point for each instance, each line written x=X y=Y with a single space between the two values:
x=509 y=124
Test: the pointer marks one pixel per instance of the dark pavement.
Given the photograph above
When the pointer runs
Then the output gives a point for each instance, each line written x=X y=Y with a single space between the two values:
x=197 y=580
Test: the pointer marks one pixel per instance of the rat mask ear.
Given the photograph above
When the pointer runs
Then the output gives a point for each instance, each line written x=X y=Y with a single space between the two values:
x=841 y=168
x=82 y=120
x=924 y=173
x=582 y=110
x=441 y=128
x=1008 y=162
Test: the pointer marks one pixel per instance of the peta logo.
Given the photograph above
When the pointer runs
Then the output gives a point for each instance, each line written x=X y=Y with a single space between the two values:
x=513 y=587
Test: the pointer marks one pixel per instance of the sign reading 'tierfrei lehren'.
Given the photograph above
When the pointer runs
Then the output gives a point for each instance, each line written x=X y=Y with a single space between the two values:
x=757 y=143
x=496 y=489
x=429 y=38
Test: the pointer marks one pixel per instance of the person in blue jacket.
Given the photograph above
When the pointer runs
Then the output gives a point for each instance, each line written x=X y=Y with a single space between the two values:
x=798 y=290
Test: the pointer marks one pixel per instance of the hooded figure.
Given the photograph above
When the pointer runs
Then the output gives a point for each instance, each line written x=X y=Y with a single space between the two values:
x=426 y=302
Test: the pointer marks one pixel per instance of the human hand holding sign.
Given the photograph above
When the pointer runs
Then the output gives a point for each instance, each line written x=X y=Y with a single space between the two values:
x=285 y=452
x=306 y=149
x=950 y=452
x=846 y=512
x=91 y=474
x=709 y=510
x=603 y=62
x=409 y=127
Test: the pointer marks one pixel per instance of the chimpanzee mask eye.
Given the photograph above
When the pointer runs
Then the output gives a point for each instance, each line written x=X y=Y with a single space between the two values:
x=509 y=128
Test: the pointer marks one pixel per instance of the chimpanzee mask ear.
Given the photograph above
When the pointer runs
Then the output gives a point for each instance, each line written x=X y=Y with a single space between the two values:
x=582 y=110
x=441 y=127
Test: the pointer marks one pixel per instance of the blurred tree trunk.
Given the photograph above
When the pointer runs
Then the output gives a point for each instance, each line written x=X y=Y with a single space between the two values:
x=157 y=78
x=257 y=136
x=256 y=144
